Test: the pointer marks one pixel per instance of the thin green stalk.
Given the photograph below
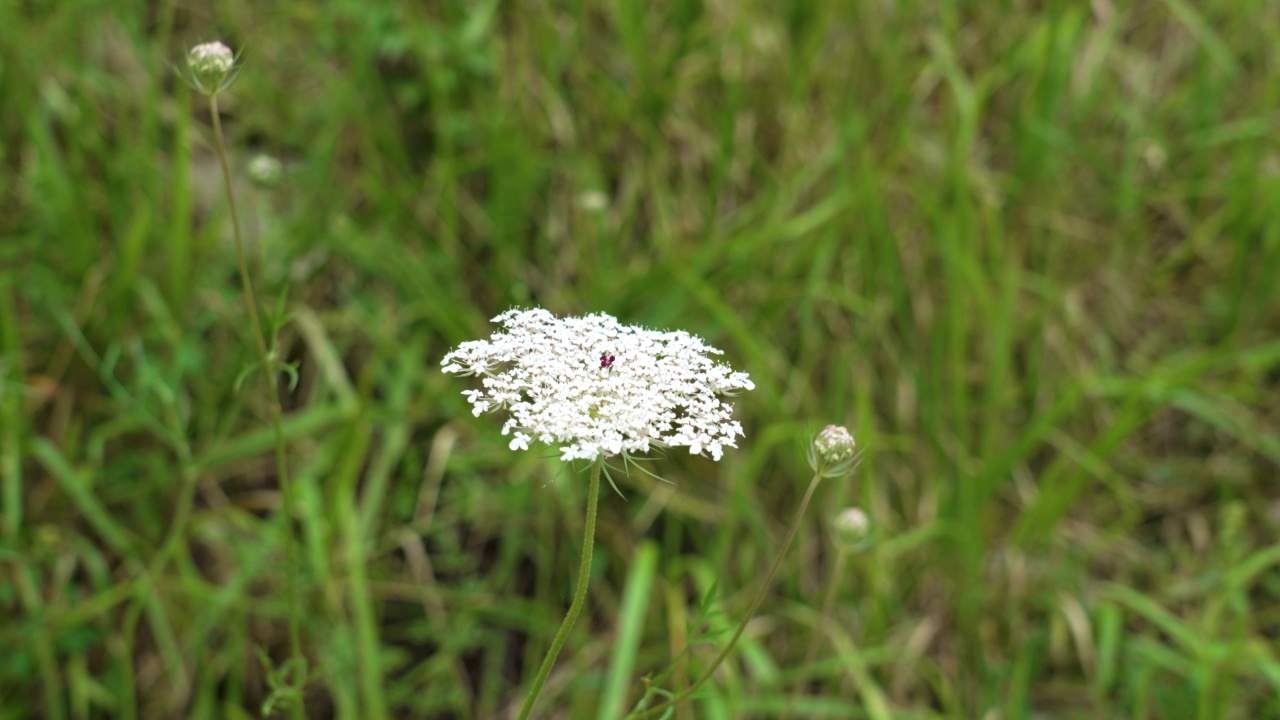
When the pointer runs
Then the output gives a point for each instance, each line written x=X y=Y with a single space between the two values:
x=811 y=652
x=277 y=413
x=751 y=611
x=579 y=595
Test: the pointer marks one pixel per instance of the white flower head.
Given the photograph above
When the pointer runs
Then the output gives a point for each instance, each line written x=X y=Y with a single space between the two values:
x=598 y=388
x=211 y=67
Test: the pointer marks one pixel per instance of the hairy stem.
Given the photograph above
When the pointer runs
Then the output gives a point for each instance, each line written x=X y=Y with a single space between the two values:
x=277 y=413
x=579 y=595
x=751 y=611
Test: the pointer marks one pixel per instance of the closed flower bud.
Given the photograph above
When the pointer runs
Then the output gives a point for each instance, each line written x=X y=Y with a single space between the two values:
x=851 y=529
x=833 y=453
x=211 y=68
x=265 y=170
x=834 y=443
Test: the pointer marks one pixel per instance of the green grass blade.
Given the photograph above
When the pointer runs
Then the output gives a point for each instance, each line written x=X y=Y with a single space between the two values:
x=631 y=621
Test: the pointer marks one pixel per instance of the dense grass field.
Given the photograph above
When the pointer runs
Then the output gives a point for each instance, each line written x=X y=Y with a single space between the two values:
x=1028 y=252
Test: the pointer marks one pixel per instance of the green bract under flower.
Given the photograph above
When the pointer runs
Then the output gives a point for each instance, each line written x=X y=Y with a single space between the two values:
x=598 y=388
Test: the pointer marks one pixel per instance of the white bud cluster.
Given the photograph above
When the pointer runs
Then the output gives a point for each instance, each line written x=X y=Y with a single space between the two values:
x=833 y=453
x=265 y=170
x=834 y=444
x=211 y=67
x=211 y=58
x=599 y=388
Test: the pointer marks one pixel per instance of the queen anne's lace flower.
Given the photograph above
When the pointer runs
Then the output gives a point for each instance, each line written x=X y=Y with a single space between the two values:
x=599 y=388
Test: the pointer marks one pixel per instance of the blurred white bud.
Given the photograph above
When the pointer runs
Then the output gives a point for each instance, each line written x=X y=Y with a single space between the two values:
x=1154 y=154
x=265 y=170
x=593 y=201
x=851 y=529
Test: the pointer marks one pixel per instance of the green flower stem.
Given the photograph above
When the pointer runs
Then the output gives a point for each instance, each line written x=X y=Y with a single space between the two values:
x=811 y=652
x=755 y=605
x=579 y=594
x=277 y=413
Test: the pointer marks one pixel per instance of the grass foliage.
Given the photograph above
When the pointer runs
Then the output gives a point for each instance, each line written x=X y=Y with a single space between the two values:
x=1029 y=252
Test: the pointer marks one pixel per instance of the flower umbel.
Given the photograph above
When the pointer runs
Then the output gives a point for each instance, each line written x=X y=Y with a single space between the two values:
x=599 y=388
x=211 y=68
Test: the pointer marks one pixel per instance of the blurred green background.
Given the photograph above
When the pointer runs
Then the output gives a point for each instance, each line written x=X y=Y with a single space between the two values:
x=1029 y=252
